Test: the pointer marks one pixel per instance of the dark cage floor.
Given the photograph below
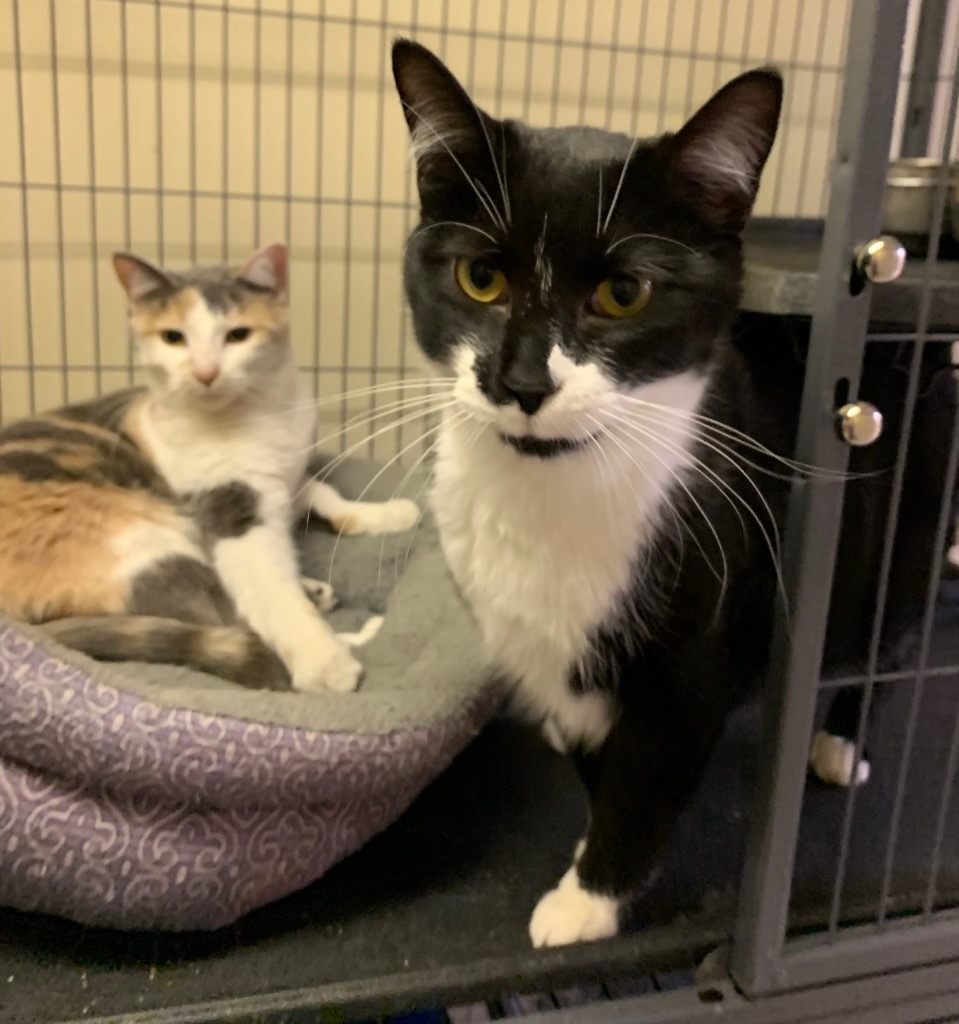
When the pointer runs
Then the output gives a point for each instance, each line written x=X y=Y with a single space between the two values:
x=435 y=910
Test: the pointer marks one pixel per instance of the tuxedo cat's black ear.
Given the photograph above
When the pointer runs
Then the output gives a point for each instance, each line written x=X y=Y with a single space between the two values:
x=267 y=270
x=139 y=278
x=723 y=148
x=448 y=131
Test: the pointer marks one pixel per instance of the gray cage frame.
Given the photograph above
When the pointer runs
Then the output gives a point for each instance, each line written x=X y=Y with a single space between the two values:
x=763 y=959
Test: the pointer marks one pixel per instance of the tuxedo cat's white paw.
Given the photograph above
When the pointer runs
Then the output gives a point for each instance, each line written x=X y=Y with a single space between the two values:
x=320 y=593
x=364 y=634
x=832 y=757
x=380 y=517
x=569 y=913
x=326 y=665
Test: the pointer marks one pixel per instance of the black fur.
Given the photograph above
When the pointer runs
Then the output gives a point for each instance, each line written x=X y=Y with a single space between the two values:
x=678 y=224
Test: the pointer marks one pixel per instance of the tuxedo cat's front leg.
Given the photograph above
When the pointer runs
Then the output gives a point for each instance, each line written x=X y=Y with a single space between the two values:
x=349 y=517
x=638 y=783
x=252 y=548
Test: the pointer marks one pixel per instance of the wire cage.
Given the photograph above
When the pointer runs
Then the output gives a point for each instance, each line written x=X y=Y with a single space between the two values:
x=195 y=130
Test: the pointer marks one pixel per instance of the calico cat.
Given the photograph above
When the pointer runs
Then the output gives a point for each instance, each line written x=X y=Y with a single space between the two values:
x=155 y=524
x=606 y=484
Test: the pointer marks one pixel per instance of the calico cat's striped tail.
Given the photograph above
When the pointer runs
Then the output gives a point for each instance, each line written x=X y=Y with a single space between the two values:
x=231 y=652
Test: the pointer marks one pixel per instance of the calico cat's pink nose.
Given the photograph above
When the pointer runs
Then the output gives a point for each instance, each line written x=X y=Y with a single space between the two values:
x=206 y=374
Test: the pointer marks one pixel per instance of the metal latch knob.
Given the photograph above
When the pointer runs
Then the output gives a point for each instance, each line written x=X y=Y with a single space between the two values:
x=882 y=259
x=860 y=423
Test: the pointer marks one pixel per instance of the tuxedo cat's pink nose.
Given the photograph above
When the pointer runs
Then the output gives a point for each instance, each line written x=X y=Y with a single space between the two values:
x=206 y=374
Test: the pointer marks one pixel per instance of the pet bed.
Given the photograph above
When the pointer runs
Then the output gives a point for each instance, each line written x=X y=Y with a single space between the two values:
x=152 y=797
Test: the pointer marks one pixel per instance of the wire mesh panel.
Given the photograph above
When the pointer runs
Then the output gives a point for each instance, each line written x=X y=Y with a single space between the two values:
x=195 y=131
x=868 y=870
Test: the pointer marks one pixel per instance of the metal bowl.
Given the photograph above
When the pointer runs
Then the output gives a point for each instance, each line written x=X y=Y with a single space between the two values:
x=910 y=199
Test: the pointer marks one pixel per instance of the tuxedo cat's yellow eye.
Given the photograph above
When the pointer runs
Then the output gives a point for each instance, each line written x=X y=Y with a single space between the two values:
x=173 y=337
x=621 y=297
x=239 y=334
x=480 y=279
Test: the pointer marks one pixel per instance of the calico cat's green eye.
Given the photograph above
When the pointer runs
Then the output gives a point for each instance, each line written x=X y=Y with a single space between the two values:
x=621 y=297
x=239 y=334
x=480 y=279
x=173 y=337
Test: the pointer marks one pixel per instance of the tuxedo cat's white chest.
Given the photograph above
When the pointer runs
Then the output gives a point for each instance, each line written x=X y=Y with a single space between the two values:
x=545 y=550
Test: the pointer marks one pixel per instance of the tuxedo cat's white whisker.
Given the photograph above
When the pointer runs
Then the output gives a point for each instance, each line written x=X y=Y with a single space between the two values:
x=398 y=490
x=774 y=546
x=722 y=577
x=709 y=474
x=646 y=234
x=731 y=495
x=438 y=138
x=492 y=203
x=370 y=416
x=733 y=458
x=392 y=425
x=619 y=185
x=423 y=228
x=731 y=433
x=500 y=177
x=308 y=404
x=386 y=465
x=599 y=204
x=456 y=418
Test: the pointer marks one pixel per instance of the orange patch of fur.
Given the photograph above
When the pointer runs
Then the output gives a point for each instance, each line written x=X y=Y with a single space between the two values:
x=56 y=555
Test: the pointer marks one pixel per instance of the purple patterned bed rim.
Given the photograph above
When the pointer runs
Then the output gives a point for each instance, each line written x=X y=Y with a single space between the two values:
x=130 y=812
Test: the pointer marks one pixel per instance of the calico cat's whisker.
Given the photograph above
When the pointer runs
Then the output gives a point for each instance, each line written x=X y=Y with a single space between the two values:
x=722 y=577
x=619 y=186
x=647 y=234
x=437 y=137
x=386 y=465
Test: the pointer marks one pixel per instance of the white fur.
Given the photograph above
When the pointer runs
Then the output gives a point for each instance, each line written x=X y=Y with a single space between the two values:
x=570 y=913
x=145 y=543
x=544 y=549
x=362 y=516
x=832 y=758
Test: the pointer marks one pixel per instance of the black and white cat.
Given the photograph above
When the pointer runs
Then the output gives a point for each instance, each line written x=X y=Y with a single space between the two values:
x=591 y=483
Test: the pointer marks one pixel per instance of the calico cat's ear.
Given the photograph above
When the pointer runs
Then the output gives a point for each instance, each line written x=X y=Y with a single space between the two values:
x=723 y=148
x=448 y=131
x=139 y=278
x=266 y=270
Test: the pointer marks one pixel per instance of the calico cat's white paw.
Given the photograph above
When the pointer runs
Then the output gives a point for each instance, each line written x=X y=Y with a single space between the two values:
x=381 y=517
x=832 y=757
x=326 y=666
x=320 y=593
x=364 y=634
x=569 y=913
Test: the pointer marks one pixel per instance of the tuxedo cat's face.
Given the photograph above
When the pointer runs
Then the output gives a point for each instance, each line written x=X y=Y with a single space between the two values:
x=555 y=270
x=210 y=334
